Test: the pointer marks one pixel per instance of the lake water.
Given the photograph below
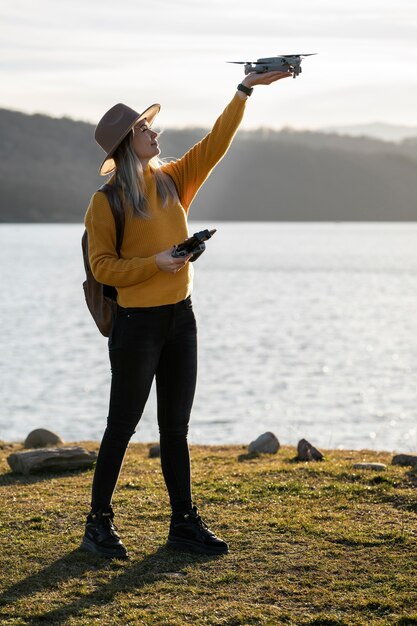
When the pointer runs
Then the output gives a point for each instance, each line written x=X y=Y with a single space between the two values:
x=306 y=330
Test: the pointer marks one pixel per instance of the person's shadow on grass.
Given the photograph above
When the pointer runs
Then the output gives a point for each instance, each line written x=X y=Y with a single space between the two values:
x=164 y=562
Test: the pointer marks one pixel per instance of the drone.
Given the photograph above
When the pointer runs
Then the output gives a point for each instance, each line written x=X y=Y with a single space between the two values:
x=284 y=63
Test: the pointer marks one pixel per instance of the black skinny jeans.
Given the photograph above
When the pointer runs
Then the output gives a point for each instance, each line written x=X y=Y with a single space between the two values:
x=145 y=342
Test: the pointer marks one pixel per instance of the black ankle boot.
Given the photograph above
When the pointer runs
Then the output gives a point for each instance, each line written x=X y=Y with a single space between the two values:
x=101 y=536
x=189 y=532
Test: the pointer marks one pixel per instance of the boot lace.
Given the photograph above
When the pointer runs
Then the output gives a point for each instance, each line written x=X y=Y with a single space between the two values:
x=197 y=519
x=106 y=519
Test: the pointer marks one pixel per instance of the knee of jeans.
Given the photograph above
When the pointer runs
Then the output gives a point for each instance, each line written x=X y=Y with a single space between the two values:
x=120 y=430
x=173 y=431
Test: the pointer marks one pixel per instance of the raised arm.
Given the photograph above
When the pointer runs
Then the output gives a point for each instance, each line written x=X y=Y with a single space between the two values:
x=190 y=171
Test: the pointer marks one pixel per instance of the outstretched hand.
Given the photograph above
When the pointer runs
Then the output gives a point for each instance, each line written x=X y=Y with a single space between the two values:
x=266 y=78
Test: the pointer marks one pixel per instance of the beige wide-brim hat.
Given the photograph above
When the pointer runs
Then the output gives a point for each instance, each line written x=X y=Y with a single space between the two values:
x=114 y=127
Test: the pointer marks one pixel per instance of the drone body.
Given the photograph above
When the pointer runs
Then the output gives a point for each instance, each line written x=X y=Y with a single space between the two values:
x=285 y=63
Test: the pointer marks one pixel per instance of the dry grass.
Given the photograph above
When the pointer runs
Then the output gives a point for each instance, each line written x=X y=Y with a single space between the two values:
x=311 y=543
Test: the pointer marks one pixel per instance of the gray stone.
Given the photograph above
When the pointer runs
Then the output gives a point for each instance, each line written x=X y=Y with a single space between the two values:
x=371 y=466
x=51 y=459
x=154 y=451
x=42 y=438
x=307 y=452
x=266 y=443
x=409 y=460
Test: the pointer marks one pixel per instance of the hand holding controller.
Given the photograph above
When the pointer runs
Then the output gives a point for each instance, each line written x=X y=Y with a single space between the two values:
x=193 y=245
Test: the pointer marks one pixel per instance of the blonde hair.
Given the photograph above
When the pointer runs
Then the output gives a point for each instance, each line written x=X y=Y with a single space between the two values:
x=129 y=179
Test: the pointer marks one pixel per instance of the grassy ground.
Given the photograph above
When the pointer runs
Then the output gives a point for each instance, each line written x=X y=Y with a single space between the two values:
x=311 y=543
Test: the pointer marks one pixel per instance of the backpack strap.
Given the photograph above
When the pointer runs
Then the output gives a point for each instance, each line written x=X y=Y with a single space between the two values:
x=117 y=211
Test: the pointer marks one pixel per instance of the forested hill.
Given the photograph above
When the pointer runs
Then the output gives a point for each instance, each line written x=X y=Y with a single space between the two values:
x=48 y=171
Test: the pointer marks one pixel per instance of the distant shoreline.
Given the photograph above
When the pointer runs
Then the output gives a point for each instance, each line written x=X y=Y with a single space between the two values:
x=287 y=174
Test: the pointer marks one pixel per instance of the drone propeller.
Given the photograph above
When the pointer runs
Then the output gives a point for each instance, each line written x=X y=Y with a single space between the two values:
x=240 y=62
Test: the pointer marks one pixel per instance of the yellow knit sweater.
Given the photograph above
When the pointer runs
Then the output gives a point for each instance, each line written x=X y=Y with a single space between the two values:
x=136 y=276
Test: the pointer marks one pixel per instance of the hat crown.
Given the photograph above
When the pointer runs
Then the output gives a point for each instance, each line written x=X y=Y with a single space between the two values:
x=114 y=126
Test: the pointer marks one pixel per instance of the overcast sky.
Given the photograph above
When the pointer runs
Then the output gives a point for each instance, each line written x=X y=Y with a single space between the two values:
x=79 y=58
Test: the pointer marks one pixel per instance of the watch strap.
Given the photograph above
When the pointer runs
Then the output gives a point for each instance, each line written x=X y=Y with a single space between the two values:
x=244 y=89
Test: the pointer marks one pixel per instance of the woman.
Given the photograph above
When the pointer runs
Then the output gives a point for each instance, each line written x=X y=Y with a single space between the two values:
x=154 y=334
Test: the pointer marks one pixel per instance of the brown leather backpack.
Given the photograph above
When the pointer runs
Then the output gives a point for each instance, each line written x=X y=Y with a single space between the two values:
x=102 y=299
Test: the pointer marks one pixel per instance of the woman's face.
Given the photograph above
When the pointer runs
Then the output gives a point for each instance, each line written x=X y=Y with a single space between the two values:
x=144 y=141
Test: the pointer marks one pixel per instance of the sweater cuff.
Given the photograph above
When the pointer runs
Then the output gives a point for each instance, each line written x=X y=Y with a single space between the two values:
x=240 y=101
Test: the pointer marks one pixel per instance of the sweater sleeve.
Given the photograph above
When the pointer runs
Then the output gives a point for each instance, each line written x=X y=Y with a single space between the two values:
x=106 y=266
x=190 y=172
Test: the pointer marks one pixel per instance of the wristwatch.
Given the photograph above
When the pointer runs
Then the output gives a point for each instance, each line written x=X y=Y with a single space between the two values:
x=246 y=90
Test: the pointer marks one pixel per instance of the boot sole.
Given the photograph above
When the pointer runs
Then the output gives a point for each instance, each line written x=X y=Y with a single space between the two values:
x=183 y=544
x=90 y=546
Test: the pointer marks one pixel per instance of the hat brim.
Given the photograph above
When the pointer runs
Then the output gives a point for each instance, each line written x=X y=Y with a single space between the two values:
x=108 y=165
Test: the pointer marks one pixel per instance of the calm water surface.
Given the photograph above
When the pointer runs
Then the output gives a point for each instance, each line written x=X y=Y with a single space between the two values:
x=308 y=330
